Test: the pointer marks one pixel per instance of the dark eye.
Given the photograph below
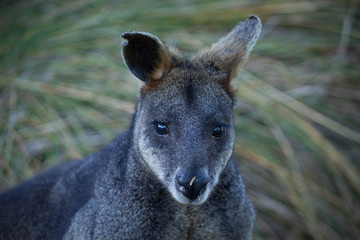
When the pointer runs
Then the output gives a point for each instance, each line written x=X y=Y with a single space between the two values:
x=219 y=131
x=160 y=128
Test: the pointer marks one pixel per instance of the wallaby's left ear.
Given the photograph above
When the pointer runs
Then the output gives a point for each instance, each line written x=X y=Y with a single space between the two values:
x=145 y=55
x=232 y=50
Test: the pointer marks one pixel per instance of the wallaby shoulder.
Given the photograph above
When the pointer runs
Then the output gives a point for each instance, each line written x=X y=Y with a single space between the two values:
x=34 y=198
x=53 y=196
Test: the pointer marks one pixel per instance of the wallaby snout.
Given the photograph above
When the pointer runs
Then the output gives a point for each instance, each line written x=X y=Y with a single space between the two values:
x=192 y=183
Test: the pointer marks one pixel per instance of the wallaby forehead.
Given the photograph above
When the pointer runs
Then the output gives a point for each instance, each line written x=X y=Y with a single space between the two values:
x=191 y=90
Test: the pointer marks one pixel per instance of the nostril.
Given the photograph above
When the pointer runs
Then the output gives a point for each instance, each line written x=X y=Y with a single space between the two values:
x=184 y=188
x=192 y=187
x=181 y=188
x=203 y=189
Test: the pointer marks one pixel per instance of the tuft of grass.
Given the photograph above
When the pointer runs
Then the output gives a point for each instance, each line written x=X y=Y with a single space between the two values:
x=64 y=93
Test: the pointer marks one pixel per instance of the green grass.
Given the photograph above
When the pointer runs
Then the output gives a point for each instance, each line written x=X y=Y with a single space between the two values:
x=65 y=93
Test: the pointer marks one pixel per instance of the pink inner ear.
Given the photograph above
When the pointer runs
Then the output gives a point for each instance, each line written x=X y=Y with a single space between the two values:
x=231 y=51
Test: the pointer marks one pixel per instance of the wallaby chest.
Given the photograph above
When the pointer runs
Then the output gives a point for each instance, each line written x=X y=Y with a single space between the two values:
x=148 y=211
x=152 y=223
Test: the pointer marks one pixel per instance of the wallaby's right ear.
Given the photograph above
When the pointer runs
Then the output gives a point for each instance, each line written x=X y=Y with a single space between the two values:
x=232 y=50
x=145 y=55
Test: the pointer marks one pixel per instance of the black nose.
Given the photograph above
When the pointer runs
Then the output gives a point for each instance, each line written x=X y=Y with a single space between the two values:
x=191 y=183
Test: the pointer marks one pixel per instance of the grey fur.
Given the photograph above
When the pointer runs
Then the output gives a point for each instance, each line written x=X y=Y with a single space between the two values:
x=141 y=186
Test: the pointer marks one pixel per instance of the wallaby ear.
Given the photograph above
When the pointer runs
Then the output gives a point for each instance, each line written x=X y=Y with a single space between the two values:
x=232 y=50
x=145 y=55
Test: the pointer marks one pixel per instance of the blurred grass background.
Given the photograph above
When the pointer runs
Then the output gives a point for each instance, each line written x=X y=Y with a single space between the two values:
x=65 y=93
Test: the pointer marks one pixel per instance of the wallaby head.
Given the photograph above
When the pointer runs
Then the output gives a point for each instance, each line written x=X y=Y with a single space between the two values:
x=183 y=127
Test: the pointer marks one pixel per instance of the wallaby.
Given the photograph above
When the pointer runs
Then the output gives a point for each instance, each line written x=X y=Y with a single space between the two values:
x=171 y=176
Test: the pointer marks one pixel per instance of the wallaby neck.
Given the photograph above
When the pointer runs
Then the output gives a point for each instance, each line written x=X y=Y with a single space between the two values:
x=126 y=170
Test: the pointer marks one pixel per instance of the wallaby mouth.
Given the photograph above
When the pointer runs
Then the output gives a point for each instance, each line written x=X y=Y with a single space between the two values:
x=191 y=185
